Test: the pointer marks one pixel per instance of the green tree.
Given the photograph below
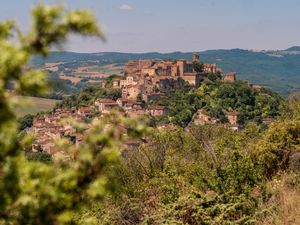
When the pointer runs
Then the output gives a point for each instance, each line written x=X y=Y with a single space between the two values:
x=26 y=121
x=198 y=66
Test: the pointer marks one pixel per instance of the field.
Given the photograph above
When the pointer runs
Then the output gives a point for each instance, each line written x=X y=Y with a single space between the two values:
x=99 y=71
x=112 y=69
x=90 y=73
x=73 y=79
x=33 y=105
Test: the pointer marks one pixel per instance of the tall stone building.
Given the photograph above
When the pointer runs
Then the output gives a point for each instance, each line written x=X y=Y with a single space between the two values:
x=196 y=57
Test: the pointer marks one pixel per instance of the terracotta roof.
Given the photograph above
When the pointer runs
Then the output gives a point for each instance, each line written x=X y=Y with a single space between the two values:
x=257 y=87
x=209 y=65
x=231 y=74
x=106 y=101
x=157 y=107
x=233 y=113
x=79 y=137
x=127 y=100
x=85 y=109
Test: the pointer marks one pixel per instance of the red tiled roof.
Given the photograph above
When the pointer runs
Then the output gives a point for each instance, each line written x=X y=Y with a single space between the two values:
x=106 y=101
x=209 y=65
x=156 y=107
x=126 y=100
x=85 y=109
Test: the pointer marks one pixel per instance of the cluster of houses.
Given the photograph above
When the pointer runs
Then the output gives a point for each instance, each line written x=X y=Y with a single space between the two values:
x=144 y=79
x=48 y=127
x=151 y=78
x=130 y=108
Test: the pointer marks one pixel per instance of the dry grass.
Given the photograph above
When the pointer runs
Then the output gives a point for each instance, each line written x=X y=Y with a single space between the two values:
x=288 y=203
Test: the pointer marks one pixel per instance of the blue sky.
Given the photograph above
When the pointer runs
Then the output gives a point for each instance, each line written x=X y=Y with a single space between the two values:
x=179 y=25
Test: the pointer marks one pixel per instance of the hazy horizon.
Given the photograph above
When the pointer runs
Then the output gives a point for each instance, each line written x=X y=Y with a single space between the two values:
x=135 y=26
x=160 y=52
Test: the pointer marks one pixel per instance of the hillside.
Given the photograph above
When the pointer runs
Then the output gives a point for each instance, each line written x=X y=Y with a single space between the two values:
x=294 y=48
x=34 y=105
x=277 y=69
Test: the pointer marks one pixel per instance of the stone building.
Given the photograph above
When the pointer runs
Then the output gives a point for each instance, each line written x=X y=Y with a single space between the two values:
x=131 y=91
x=106 y=105
x=134 y=67
x=85 y=111
x=232 y=117
x=202 y=118
x=196 y=57
x=210 y=68
x=230 y=77
x=180 y=68
x=151 y=97
x=157 y=110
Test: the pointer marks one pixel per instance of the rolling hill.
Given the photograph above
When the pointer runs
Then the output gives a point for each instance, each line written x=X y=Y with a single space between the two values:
x=279 y=69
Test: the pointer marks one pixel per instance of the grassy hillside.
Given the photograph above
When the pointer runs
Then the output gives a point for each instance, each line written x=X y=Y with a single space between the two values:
x=34 y=105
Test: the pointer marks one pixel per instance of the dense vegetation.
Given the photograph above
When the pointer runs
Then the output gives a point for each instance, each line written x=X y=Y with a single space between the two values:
x=25 y=121
x=88 y=95
x=214 y=96
x=217 y=98
x=209 y=175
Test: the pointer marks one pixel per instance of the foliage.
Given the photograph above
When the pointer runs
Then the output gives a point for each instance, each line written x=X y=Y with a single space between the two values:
x=198 y=66
x=277 y=145
x=209 y=175
x=39 y=157
x=217 y=98
x=88 y=95
x=33 y=192
x=206 y=175
x=181 y=180
x=292 y=107
x=26 y=121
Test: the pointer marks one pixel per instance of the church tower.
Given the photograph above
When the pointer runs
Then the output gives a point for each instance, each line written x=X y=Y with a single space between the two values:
x=196 y=57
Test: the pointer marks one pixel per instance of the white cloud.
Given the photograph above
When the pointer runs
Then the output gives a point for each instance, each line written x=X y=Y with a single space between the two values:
x=125 y=7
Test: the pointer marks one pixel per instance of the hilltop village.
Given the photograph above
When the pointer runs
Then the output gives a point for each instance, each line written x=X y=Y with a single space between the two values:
x=144 y=83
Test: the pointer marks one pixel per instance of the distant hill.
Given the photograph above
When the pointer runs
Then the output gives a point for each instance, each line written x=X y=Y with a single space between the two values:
x=295 y=48
x=278 y=69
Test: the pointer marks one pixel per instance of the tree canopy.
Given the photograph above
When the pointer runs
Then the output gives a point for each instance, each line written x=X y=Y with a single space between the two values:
x=217 y=98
